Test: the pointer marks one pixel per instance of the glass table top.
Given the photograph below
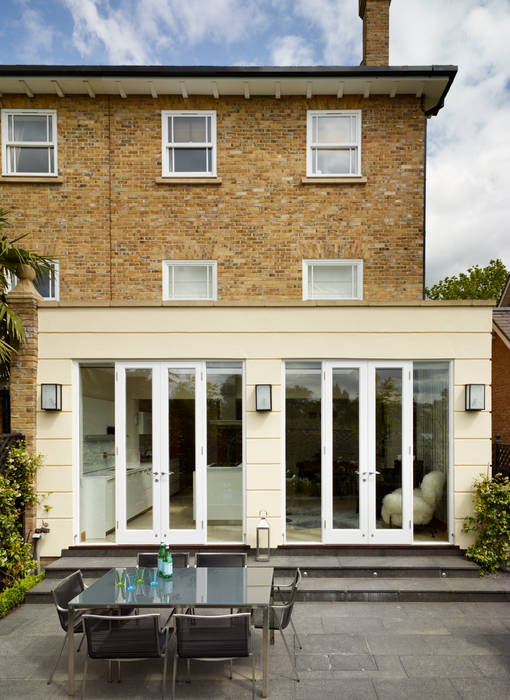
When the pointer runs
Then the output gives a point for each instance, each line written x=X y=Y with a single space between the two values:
x=204 y=586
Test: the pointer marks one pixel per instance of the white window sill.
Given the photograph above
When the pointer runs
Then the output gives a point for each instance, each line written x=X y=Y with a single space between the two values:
x=48 y=179
x=334 y=180
x=188 y=181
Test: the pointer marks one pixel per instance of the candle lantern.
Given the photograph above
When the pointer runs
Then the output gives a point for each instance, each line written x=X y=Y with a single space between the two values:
x=263 y=538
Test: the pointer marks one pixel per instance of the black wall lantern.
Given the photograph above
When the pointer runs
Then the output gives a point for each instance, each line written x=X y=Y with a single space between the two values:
x=51 y=397
x=263 y=397
x=475 y=397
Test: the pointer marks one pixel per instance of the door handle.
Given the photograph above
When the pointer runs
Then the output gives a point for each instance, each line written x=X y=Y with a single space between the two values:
x=362 y=473
x=155 y=473
x=376 y=472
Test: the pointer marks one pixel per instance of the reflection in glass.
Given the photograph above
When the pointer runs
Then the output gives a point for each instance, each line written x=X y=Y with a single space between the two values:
x=139 y=449
x=224 y=452
x=181 y=445
x=431 y=450
x=345 y=448
x=388 y=441
x=97 y=453
x=303 y=451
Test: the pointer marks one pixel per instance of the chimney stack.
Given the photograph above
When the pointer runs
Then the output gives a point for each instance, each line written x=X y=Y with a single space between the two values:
x=376 y=31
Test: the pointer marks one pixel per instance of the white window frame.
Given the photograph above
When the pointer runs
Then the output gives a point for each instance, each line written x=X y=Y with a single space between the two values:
x=6 y=144
x=167 y=146
x=13 y=281
x=212 y=276
x=357 y=289
x=312 y=147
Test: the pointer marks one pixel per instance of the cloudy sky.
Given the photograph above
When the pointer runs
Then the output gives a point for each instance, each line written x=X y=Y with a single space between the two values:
x=468 y=194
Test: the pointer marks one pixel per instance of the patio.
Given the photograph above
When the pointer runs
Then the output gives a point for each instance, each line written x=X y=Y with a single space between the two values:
x=377 y=651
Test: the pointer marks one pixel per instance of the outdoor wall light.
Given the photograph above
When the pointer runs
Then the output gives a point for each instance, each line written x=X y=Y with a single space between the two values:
x=51 y=397
x=475 y=397
x=263 y=397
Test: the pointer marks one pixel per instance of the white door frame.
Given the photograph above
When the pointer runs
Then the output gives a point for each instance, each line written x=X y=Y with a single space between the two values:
x=367 y=532
x=160 y=531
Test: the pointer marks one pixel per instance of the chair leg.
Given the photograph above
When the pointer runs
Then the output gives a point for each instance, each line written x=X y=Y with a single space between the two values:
x=295 y=632
x=253 y=676
x=230 y=662
x=109 y=671
x=56 y=662
x=118 y=671
x=84 y=677
x=81 y=642
x=290 y=656
x=163 y=681
x=188 y=670
x=174 y=675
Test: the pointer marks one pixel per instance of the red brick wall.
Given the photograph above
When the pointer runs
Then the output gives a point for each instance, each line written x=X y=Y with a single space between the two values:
x=500 y=389
x=110 y=225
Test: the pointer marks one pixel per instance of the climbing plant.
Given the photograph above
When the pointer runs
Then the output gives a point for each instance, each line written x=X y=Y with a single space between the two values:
x=491 y=523
x=16 y=492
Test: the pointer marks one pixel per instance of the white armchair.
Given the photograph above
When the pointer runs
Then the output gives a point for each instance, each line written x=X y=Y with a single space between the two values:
x=425 y=500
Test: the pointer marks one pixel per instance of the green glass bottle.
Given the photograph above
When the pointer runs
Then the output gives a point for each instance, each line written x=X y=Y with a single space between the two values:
x=161 y=558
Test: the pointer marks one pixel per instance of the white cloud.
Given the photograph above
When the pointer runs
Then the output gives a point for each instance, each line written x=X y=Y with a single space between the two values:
x=139 y=30
x=338 y=26
x=38 y=35
x=291 y=51
x=468 y=210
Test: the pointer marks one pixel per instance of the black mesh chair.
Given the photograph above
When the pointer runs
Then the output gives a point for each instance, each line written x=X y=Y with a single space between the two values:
x=280 y=613
x=213 y=638
x=148 y=560
x=226 y=559
x=180 y=560
x=64 y=591
x=125 y=638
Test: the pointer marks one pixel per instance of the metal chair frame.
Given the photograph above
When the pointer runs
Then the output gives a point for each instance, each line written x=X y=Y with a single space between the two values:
x=119 y=619
x=210 y=618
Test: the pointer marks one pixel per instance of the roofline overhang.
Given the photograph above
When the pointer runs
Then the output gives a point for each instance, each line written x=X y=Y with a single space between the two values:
x=398 y=74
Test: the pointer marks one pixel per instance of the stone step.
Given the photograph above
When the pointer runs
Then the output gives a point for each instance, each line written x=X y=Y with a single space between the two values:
x=490 y=588
x=318 y=566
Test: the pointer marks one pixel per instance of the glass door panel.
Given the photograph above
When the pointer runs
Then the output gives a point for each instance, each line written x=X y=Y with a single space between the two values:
x=181 y=448
x=390 y=475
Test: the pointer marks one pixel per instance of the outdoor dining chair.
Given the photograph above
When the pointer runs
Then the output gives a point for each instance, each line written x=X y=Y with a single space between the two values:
x=280 y=613
x=149 y=560
x=125 y=638
x=221 y=559
x=213 y=638
x=63 y=592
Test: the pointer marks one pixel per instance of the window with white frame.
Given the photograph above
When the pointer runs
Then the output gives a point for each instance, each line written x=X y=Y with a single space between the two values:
x=333 y=143
x=29 y=142
x=189 y=280
x=332 y=279
x=47 y=285
x=189 y=143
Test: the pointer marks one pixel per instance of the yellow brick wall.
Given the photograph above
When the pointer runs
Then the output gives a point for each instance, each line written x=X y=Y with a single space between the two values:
x=110 y=224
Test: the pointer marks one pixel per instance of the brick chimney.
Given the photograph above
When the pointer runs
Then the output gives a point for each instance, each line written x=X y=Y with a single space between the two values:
x=376 y=31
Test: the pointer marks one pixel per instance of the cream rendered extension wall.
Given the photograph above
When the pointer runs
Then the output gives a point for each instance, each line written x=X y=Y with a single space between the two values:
x=262 y=336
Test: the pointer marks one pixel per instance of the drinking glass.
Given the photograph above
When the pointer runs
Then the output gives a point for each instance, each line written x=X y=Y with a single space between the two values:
x=153 y=577
x=140 y=574
x=120 y=577
x=131 y=580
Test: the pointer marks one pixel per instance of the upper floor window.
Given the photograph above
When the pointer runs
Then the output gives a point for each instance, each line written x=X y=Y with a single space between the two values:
x=29 y=142
x=332 y=279
x=47 y=286
x=189 y=144
x=333 y=143
x=189 y=280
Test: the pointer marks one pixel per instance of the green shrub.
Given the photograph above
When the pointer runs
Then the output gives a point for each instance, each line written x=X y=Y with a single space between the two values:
x=16 y=492
x=15 y=595
x=491 y=522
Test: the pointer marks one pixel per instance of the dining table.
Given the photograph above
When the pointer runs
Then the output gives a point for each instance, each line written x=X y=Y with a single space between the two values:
x=242 y=588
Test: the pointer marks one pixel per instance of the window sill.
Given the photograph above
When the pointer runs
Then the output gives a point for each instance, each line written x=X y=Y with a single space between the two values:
x=48 y=179
x=358 y=180
x=188 y=181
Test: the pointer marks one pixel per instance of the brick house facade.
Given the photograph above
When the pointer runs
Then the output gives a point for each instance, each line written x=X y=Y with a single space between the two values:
x=264 y=221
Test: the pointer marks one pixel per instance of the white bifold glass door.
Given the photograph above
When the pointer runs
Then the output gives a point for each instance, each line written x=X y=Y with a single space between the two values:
x=160 y=452
x=367 y=453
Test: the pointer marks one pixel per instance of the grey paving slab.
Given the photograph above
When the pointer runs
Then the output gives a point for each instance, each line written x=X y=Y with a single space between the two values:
x=494 y=666
x=345 y=689
x=346 y=625
x=352 y=662
x=440 y=666
x=334 y=643
x=416 y=689
x=476 y=689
